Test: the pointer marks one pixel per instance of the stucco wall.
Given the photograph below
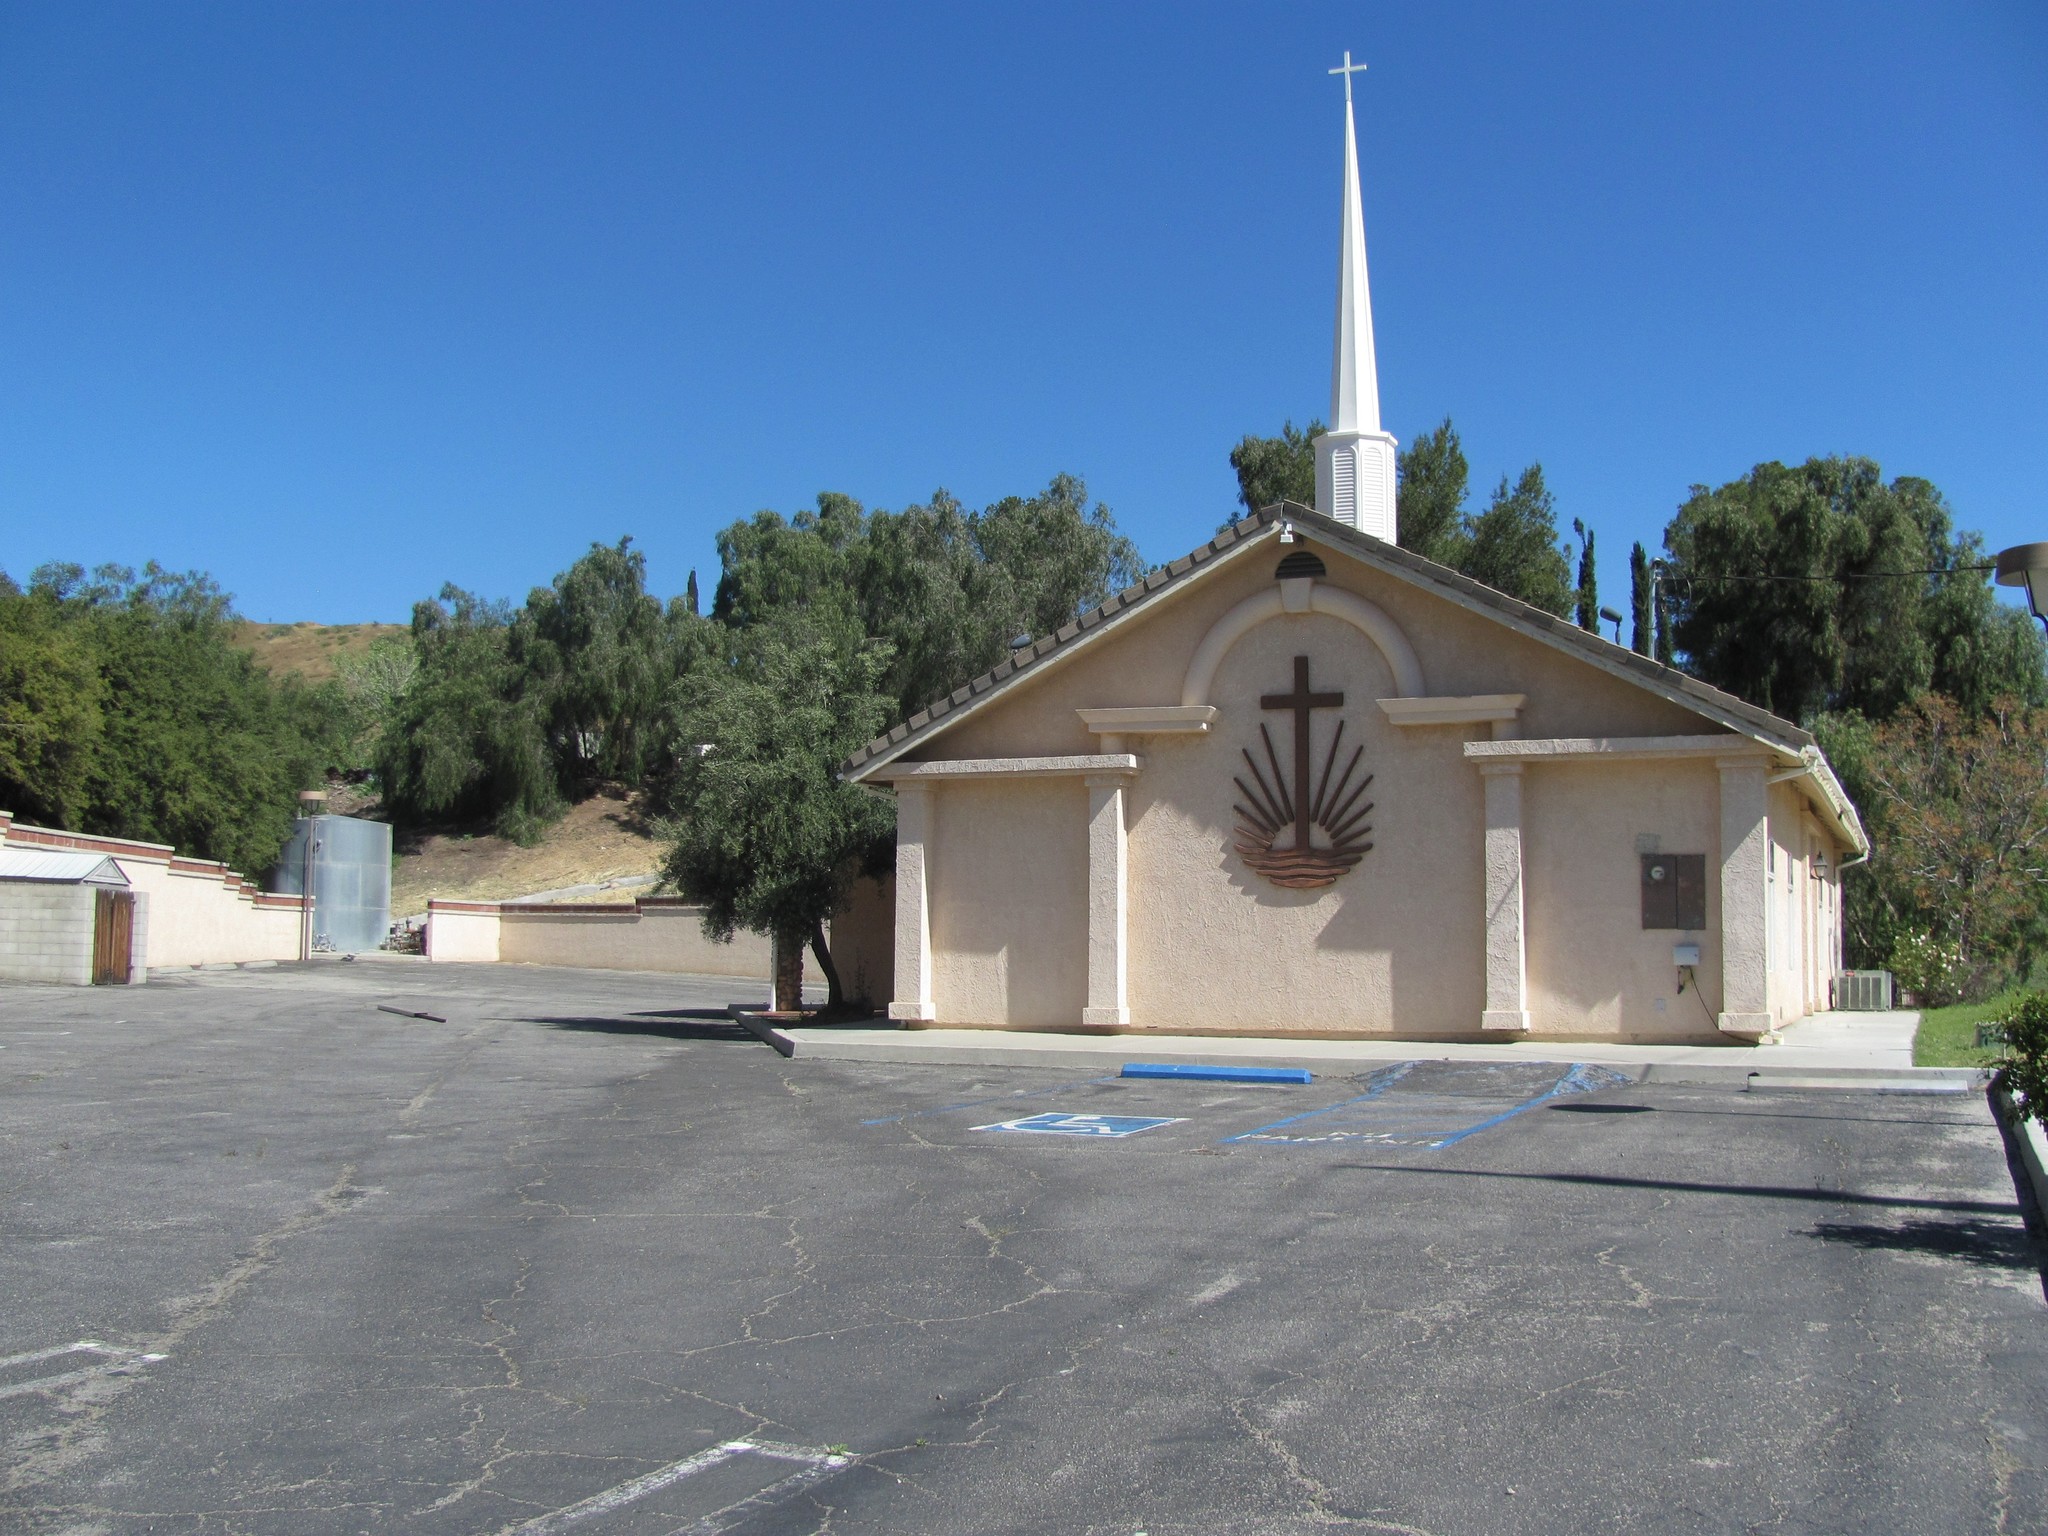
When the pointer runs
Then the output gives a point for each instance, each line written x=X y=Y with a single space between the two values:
x=655 y=934
x=1399 y=938
x=1804 y=927
x=462 y=932
x=1461 y=653
x=46 y=932
x=1593 y=968
x=1010 y=936
x=198 y=913
x=863 y=941
x=198 y=918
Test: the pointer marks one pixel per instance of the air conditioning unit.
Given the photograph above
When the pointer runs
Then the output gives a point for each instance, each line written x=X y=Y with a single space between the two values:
x=1863 y=991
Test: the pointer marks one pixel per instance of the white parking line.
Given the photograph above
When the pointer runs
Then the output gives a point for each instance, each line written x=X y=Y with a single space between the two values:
x=114 y=1362
x=733 y=1514
x=817 y=1464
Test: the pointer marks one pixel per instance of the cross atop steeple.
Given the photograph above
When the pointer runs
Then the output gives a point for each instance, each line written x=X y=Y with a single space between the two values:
x=1349 y=69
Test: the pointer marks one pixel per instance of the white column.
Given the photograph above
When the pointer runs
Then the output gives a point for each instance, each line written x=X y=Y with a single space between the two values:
x=1745 y=830
x=1507 y=977
x=138 y=942
x=913 y=1000
x=1108 y=900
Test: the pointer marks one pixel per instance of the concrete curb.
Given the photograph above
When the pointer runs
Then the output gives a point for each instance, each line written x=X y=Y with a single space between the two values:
x=1785 y=1076
x=758 y=1026
x=1839 y=1079
x=2030 y=1140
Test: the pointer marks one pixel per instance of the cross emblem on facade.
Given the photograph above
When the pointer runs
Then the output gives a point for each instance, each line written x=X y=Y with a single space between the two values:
x=1301 y=701
x=1268 y=811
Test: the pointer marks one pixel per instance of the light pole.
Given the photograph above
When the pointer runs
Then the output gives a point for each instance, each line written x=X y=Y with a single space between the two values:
x=310 y=802
x=2026 y=565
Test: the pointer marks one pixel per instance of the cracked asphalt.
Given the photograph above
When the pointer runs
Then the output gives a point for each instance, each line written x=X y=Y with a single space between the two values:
x=586 y=1258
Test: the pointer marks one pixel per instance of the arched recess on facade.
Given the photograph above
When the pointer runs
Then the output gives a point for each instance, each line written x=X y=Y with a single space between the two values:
x=1368 y=618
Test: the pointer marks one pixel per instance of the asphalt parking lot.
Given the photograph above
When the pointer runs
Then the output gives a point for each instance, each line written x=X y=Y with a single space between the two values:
x=587 y=1259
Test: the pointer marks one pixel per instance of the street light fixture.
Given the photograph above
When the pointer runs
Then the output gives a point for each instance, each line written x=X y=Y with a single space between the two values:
x=2026 y=565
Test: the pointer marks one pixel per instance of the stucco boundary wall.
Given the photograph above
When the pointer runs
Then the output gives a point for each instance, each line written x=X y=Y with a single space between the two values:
x=200 y=912
x=653 y=933
x=656 y=933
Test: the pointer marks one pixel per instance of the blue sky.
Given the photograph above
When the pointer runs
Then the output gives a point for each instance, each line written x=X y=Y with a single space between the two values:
x=340 y=302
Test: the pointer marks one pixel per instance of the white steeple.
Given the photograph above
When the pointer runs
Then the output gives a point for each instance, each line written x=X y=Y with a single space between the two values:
x=1355 y=459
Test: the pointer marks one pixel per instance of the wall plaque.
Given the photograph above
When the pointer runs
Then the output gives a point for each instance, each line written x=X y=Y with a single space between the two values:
x=1284 y=811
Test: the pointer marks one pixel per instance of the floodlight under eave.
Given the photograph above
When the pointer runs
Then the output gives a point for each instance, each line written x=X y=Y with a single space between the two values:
x=2026 y=565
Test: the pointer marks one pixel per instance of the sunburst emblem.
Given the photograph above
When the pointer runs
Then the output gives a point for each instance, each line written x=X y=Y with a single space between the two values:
x=1279 y=808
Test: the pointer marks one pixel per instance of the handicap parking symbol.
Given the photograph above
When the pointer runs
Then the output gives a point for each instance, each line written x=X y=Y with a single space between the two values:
x=1082 y=1125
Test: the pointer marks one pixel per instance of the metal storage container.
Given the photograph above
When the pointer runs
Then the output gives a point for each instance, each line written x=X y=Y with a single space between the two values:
x=349 y=863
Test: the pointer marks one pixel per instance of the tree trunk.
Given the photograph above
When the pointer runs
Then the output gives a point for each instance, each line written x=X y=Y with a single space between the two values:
x=835 y=999
x=789 y=972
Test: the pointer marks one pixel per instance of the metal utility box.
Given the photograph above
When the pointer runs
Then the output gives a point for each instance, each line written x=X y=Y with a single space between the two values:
x=347 y=863
x=1674 y=890
x=1863 y=991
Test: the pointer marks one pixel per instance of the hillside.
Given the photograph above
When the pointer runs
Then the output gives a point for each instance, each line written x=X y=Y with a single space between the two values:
x=311 y=650
x=597 y=843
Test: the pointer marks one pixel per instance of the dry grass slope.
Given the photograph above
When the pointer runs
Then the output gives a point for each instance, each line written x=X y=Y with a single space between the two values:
x=599 y=841
x=311 y=650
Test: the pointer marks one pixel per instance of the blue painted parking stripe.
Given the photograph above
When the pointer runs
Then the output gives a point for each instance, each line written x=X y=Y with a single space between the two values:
x=997 y=1098
x=1579 y=1079
x=1376 y=1085
x=1209 y=1074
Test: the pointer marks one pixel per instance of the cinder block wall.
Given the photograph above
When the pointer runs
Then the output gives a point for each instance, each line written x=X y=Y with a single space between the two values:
x=46 y=932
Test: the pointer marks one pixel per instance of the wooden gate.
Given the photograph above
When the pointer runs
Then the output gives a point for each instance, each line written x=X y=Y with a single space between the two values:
x=113 y=936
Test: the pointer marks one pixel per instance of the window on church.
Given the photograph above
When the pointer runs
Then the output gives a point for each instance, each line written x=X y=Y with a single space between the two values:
x=1674 y=890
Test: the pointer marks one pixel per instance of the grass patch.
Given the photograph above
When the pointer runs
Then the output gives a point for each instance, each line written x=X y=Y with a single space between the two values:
x=1947 y=1037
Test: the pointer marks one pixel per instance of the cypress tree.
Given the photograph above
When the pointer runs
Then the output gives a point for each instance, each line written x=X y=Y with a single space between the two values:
x=1643 y=626
x=1589 y=585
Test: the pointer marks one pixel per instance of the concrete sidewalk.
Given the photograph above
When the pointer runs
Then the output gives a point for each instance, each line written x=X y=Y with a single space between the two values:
x=1868 y=1049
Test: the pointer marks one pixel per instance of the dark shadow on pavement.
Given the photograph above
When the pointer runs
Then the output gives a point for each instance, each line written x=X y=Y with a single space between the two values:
x=675 y=1024
x=1606 y=1109
x=1678 y=1186
x=1973 y=1240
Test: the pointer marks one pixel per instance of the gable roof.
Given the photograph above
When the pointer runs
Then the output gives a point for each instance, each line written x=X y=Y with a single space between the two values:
x=63 y=868
x=1241 y=537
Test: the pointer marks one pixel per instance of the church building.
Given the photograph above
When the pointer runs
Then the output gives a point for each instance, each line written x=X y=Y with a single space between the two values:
x=1302 y=781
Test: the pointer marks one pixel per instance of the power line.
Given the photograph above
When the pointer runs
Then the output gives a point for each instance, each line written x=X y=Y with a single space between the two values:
x=1667 y=576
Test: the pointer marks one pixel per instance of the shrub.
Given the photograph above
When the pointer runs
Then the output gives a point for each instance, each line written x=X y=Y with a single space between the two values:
x=1933 y=971
x=2024 y=1073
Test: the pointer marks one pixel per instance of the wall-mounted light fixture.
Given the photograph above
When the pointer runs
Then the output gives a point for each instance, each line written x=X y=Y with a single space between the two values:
x=2026 y=565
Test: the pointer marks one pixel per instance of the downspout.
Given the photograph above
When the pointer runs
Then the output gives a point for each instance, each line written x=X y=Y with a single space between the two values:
x=1807 y=765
